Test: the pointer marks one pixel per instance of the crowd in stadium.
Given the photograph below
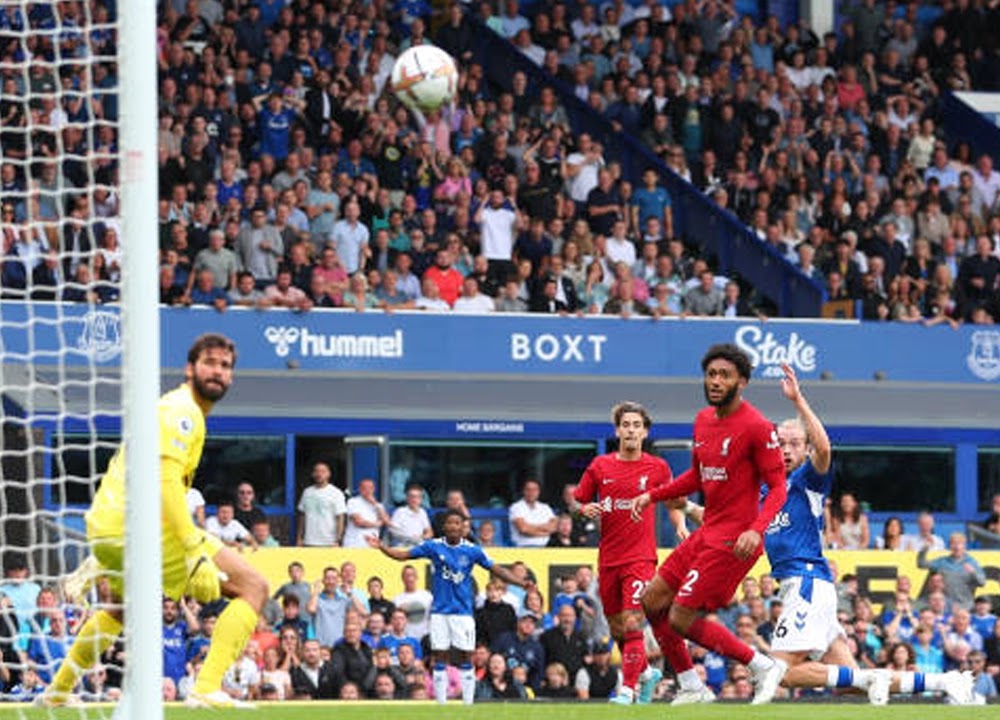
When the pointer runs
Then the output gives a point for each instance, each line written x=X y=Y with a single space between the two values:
x=338 y=636
x=290 y=176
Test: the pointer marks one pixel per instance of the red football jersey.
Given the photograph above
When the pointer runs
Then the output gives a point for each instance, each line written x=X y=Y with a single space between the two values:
x=732 y=457
x=614 y=483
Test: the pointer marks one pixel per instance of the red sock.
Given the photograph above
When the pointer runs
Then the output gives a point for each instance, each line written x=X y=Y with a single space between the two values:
x=672 y=645
x=717 y=638
x=633 y=658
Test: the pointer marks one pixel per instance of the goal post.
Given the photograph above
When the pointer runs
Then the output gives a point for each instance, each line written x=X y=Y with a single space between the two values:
x=79 y=350
x=143 y=695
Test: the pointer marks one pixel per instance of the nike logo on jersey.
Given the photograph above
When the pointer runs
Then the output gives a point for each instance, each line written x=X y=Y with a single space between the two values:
x=607 y=480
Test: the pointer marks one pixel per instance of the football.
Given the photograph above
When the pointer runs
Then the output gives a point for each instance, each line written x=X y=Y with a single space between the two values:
x=424 y=77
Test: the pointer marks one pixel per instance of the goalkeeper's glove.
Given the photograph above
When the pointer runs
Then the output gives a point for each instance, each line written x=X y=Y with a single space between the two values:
x=203 y=576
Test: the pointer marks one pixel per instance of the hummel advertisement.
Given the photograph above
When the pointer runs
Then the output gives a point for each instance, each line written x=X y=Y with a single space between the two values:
x=515 y=344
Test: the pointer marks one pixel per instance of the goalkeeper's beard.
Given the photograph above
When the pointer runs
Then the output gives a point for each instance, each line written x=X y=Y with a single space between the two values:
x=213 y=392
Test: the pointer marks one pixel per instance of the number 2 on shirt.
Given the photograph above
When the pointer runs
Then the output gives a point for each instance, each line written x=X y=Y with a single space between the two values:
x=688 y=586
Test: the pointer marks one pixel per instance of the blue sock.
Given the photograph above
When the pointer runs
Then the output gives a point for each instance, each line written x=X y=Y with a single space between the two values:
x=845 y=677
x=919 y=682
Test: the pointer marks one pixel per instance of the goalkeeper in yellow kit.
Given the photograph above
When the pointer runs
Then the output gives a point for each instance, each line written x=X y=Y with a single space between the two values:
x=194 y=562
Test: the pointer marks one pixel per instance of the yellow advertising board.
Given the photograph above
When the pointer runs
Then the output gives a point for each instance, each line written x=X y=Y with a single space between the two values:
x=877 y=570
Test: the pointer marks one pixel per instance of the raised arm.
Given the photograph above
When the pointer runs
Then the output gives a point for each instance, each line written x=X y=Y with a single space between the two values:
x=815 y=432
x=394 y=553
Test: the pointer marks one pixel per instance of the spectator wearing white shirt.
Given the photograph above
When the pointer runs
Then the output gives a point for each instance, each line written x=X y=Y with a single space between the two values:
x=619 y=247
x=227 y=528
x=987 y=181
x=242 y=679
x=410 y=524
x=499 y=224
x=471 y=301
x=415 y=603
x=925 y=537
x=365 y=516
x=531 y=521
x=196 y=506
x=322 y=511
x=350 y=236
x=431 y=298
x=580 y=169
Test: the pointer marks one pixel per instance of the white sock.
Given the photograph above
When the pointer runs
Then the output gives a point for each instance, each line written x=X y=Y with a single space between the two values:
x=626 y=691
x=760 y=662
x=832 y=676
x=934 y=682
x=441 y=685
x=468 y=685
x=689 y=680
x=906 y=683
x=646 y=674
x=862 y=679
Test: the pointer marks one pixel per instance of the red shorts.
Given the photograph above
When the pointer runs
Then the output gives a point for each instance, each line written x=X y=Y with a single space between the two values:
x=620 y=586
x=704 y=576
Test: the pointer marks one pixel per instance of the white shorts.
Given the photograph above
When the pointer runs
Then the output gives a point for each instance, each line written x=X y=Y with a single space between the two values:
x=453 y=631
x=808 y=616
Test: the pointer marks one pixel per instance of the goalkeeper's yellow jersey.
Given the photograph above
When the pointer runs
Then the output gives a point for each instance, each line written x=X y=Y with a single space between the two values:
x=182 y=438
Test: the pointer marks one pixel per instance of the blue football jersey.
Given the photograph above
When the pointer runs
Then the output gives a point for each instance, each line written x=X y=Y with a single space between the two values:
x=794 y=539
x=451 y=573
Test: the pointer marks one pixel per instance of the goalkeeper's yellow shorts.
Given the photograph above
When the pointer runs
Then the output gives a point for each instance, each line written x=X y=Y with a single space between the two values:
x=110 y=553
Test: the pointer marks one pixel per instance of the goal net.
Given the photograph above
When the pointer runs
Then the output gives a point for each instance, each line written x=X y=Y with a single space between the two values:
x=64 y=339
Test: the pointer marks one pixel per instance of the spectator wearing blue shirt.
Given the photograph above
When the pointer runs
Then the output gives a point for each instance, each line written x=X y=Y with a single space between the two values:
x=521 y=648
x=961 y=572
x=48 y=651
x=983 y=685
x=625 y=114
x=197 y=646
x=274 y=122
x=983 y=619
x=929 y=656
x=652 y=201
x=351 y=238
x=960 y=640
x=452 y=625
x=292 y=616
x=227 y=184
x=398 y=636
x=269 y=10
x=205 y=292
x=900 y=622
x=353 y=162
x=941 y=168
x=175 y=636
x=250 y=31
x=512 y=21
x=762 y=51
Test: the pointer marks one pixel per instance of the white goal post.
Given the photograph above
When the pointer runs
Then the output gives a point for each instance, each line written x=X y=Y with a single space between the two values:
x=143 y=698
x=78 y=157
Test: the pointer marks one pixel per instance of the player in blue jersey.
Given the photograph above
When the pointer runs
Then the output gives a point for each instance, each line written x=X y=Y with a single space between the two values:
x=808 y=636
x=452 y=624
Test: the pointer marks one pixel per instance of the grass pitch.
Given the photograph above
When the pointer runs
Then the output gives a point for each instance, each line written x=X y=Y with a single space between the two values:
x=369 y=710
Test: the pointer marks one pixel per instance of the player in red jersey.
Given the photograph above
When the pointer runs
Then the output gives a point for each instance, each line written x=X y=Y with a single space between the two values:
x=627 y=553
x=735 y=449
